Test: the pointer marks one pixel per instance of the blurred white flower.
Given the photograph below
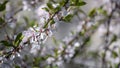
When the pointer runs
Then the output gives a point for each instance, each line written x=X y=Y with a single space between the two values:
x=56 y=19
x=26 y=6
x=80 y=24
x=34 y=49
x=59 y=63
x=70 y=50
x=50 y=60
x=43 y=37
x=66 y=56
x=60 y=49
x=70 y=55
x=27 y=34
x=12 y=57
x=105 y=1
x=43 y=15
x=6 y=65
x=64 y=12
x=76 y=44
x=67 y=39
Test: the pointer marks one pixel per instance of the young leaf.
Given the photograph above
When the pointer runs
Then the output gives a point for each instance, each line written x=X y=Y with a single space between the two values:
x=46 y=25
x=32 y=23
x=57 y=8
x=3 y=6
x=55 y=66
x=46 y=9
x=35 y=67
x=114 y=54
x=114 y=38
x=100 y=10
x=62 y=2
x=6 y=43
x=81 y=3
x=18 y=39
x=55 y=41
x=77 y=3
x=26 y=19
x=16 y=66
x=116 y=65
x=49 y=5
x=92 y=13
x=68 y=18
x=52 y=22
x=1 y=21
x=37 y=61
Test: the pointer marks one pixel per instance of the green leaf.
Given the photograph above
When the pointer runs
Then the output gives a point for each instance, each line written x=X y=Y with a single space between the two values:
x=29 y=23
x=49 y=5
x=46 y=25
x=56 y=53
x=114 y=38
x=114 y=54
x=46 y=9
x=55 y=41
x=16 y=66
x=100 y=10
x=37 y=60
x=52 y=22
x=72 y=2
x=92 y=12
x=32 y=23
x=55 y=66
x=6 y=43
x=81 y=33
x=1 y=21
x=51 y=9
x=57 y=8
x=62 y=2
x=81 y=3
x=3 y=6
x=68 y=18
x=35 y=67
x=47 y=66
x=77 y=3
x=117 y=65
x=18 y=39
x=88 y=41
x=26 y=19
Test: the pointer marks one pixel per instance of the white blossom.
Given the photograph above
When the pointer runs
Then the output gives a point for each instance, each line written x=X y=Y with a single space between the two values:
x=26 y=6
x=43 y=15
x=59 y=63
x=50 y=60
x=34 y=49
x=27 y=34
x=77 y=44
x=64 y=11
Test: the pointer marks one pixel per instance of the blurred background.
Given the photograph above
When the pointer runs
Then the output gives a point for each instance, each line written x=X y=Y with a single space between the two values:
x=91 y=39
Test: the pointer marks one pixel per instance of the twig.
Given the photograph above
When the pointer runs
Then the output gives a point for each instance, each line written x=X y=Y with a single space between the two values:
x=107 y=37
x=55 y=14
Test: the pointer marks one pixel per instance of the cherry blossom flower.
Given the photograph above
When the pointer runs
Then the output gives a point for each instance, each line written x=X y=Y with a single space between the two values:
x=50 y=60
x=42 y=15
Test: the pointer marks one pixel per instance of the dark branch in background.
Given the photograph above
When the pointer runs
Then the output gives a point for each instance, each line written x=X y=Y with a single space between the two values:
x=5 y=23
x=15 y=49
x=87 y=34
x=107 y=43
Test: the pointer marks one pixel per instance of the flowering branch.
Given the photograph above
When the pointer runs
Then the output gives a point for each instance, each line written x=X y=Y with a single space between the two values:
x=19 y=47
x=107 y=36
